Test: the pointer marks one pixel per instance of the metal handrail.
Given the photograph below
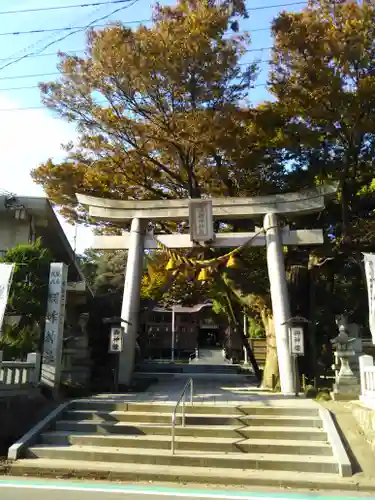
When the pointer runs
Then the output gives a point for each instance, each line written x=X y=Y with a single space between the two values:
x=182 y=399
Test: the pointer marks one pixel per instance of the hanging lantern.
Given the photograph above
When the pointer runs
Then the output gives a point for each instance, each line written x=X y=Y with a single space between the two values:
x=203 y=275
x=232 y=262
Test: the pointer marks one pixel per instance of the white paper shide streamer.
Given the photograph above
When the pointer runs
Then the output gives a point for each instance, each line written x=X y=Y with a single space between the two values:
x=369 y=261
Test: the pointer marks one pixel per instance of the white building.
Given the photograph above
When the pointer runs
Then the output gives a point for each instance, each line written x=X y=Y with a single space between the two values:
x=24 y=219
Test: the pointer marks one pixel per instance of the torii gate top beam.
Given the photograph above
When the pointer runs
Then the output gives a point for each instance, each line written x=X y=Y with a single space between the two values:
x=304 y=202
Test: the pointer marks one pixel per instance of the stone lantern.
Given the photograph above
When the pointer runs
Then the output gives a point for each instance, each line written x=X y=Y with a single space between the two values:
x=346 y=386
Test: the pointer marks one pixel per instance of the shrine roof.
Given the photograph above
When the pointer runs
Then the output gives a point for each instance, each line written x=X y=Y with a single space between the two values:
x=183 y=309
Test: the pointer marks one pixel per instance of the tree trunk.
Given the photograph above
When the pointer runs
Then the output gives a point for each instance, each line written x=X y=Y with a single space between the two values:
x=250 y=354
x=237 y=313
x=271 y=368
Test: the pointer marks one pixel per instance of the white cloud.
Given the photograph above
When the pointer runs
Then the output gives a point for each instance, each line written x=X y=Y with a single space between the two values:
x=28 y=138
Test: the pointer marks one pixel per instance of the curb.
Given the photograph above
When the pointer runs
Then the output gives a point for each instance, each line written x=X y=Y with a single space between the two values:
x=268 y=481
x=15 y=451
x=339 y=452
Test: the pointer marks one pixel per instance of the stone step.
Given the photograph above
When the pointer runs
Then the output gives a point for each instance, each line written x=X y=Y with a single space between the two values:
x=109 y=406
x=204 y=367
x=289 y=433
x=255 y=461
x=225 y=431
x=242 y=378
x=200 y=419
x=188 y=368
x=179 y=474
x=213 y=444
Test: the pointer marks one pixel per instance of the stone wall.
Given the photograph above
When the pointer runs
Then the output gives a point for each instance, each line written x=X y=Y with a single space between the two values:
x=20 y=413
x=366 y=419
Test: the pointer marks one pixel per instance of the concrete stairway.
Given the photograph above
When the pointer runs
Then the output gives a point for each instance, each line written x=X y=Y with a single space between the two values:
x=210 y=356
x=203 y=366
x=210 y=364
x=219 y=444
x=191 y=368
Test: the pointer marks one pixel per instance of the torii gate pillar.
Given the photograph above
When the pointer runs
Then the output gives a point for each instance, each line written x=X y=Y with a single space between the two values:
x=280 y=301
x=131 y=301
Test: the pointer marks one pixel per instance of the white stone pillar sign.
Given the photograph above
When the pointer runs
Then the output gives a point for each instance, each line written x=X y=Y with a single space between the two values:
x=54 y=328
x=369 y=262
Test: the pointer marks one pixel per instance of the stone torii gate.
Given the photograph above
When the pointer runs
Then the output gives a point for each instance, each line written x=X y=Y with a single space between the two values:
x=201 y=214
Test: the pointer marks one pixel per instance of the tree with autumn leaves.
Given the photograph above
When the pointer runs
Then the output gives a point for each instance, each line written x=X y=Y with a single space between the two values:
x=156 y=108
x=164 y=112
x=323 y=78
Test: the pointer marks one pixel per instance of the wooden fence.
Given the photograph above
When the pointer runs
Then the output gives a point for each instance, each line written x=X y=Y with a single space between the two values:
x=259 y=348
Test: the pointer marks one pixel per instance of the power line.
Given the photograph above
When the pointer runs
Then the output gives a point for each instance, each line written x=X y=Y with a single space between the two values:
x=37 y=75
x=73 y=30
x=31 y=75
x=111 y=2
x=29 y=87
x=47 y=54
x=33 y=108
x=61 y=7
x=263 y=7
x=25 y=56
x=33 y=46
x=81 y=51
x=68 y=28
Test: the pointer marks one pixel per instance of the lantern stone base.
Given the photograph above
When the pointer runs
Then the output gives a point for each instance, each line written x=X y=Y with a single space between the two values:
x=340 y=396
x=347 y=388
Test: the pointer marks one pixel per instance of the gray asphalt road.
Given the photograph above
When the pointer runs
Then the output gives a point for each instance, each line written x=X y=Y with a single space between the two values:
x=12 y=494
x=17 y=489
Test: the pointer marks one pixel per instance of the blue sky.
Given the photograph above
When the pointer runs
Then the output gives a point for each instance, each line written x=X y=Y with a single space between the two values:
x=30 y=136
